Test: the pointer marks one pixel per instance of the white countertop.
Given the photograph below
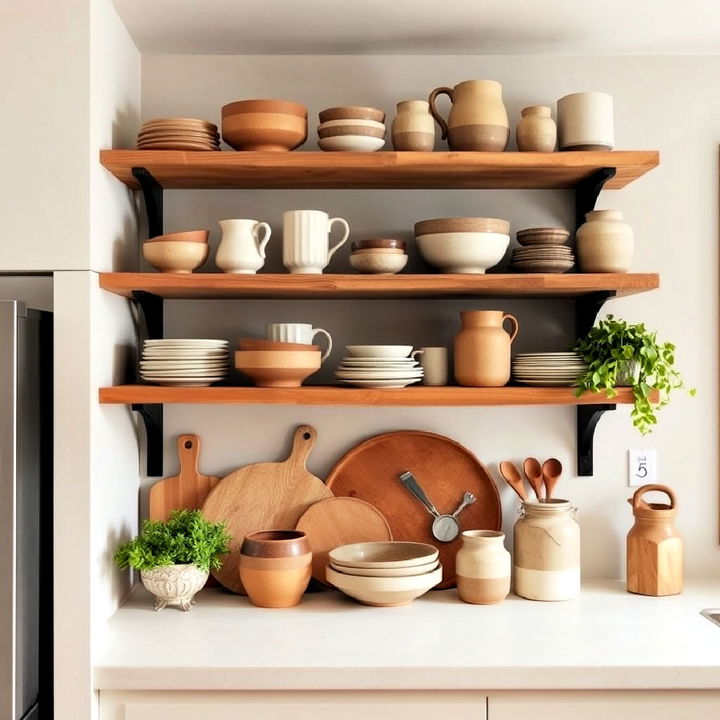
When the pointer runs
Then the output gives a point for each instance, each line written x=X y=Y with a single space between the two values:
x=606 y=638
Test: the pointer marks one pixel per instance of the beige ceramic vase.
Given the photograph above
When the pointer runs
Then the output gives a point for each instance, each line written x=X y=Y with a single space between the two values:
x=536 y=131
x=413 y=127
x=482 y=348
x=478 y=119
x=482 y=567
x=275 y=567
x=605 y=243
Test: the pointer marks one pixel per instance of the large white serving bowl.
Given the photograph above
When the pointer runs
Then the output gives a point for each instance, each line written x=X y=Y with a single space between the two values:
x=384 y=591
x=463 y=252
x=383 y=554
x=379 y=352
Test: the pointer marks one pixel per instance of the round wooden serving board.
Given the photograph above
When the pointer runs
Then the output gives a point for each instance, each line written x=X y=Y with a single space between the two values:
x=264 y=496
x=445 y=470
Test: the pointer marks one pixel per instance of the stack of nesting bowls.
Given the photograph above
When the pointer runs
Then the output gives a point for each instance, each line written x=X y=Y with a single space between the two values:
x=463 y=244
x=543 y=250
x=270 y=125
x=277 y=364
x=180 y=252
x=351 y=128
x=384 y=574
x=380 y=256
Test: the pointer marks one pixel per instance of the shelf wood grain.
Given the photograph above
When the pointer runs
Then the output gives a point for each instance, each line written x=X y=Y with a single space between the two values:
x=201 y=286
x=331 y=395
x=380 y=170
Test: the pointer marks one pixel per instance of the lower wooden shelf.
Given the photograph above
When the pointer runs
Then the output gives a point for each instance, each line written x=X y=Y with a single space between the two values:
x=330 y=395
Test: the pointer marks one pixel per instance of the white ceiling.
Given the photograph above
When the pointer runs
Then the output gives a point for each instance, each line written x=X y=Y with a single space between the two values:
x=437 y=27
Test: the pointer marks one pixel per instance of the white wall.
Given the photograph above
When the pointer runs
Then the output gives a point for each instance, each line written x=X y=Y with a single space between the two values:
x=661 y=103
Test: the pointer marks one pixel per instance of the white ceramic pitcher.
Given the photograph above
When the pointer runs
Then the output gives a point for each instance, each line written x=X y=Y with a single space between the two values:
x=242 y=246
x=306 y=236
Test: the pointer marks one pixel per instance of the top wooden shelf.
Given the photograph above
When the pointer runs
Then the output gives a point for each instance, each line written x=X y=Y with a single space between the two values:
x=382 y=170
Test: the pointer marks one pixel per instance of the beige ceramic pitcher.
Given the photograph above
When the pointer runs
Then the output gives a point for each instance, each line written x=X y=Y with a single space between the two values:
x=478 y=119
x=482 y=348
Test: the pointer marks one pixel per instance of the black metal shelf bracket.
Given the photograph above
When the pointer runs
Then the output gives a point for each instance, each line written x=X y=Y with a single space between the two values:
x=152 y=192
x=587 y=308
x=152 y=416
x=588 y=417
x=587 y=192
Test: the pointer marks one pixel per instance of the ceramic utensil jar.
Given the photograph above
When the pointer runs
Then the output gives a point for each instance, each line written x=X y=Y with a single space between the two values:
x=434 y=362
x=536 y=131
x=654 y=546
x=547 y=551
x=605 y=243
x=242 y=246
x=478 y=119
x=413 y=127
x=482 y=348
x=275 y=567
x=302 y=333
x=306 y=235
x=585 y=121
x=482 y=567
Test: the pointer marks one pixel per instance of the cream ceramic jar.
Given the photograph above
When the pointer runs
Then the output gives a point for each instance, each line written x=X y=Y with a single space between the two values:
x=482 y=567
x=605 y=243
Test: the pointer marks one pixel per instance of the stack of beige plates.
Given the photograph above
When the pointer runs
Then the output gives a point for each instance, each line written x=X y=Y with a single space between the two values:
x=192 y=362
x=379 y=366
x=559 y=369
x=351 y=128
x=178 y=134
x=544 y=250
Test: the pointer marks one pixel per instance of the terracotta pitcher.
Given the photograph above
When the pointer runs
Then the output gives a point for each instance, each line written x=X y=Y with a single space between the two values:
x=478 y=119
x=482 y=348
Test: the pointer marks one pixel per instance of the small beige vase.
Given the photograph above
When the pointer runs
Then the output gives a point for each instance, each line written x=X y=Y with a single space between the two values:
x=482 y=567
x=413 y=127
x=536 y=131
x=605 y=243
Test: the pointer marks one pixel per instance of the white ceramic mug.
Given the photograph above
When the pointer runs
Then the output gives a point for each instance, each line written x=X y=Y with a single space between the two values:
x=297 y=333
x=306 y=236
x=434 y=362
x=242 y=246
x=585 y=121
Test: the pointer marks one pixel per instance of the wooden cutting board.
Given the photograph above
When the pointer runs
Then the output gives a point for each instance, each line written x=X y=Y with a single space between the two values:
x=264 y=496
x=340 y=521
x=188 y=489
x=444 y=469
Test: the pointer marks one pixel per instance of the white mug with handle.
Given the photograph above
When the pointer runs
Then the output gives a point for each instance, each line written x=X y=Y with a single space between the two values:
x=434 y=362
x=297 y=333
x=306 y=237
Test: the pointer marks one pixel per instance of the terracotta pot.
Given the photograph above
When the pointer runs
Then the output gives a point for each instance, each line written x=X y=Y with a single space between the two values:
x=270 y=125
x=413 y=127
x=536 y=131
x=174 y=584
x=482 y=567
x=478 y=119
x=482 y=348
x=605 y=243
x=275 y=567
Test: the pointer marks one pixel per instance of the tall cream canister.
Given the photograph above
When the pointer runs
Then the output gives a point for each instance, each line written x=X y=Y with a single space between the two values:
x=546 y=562
x=482 y=567
x=413 y=127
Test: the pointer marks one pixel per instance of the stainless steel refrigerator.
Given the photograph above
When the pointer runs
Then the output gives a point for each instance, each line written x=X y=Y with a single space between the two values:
x=26 y=556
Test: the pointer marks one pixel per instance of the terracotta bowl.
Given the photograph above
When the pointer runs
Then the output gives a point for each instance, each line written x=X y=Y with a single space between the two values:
x=175 y=257
x=277 y=368
x=462 y=225
x=378 y=243
x=352 y=112
x=198 y=236
x=264 y=125
x=262 y=344
x=378 y=251
x=384 y=591
x=386 y=554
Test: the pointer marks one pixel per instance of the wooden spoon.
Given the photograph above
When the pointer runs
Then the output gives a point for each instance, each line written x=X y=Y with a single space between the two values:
x=533 y=472
x=512 y=477
x=551 y=471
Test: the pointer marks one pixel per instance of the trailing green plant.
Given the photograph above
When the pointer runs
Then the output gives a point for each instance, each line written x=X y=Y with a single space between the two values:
x=618 y=353
x=186 y=538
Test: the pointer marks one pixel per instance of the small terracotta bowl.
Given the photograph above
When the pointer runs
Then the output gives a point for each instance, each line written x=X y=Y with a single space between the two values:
x=378 y=243
x=175 y=257
x=352 y=112
x=199 y=236
x=262 y=344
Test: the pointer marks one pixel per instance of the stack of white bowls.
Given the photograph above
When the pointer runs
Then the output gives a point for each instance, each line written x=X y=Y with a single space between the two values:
x=191 y=362
x=351 y=128
x=378 y=366
x=560 y=369
x=384 y=574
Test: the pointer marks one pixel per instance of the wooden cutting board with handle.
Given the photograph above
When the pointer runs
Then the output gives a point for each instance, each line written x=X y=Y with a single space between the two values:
x=264 y=496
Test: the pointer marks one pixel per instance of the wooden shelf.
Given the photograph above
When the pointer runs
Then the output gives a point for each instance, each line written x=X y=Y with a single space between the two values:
x=441 y=170
x=222 y=285
x=317 y=395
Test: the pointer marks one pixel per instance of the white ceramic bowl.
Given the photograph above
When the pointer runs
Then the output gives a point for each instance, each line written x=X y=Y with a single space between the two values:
x=384 y=591
x=383 y=554
x=175 y=257
x=378 y=263
x=379 y=351
x=351 y=143
x=357 y=123
x=463 y=252
x=386 y=572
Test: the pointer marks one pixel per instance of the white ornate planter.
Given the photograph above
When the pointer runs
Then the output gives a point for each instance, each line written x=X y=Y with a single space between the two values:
x=174 y=584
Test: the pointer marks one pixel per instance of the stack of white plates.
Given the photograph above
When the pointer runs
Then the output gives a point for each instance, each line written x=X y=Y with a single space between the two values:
x=548 y=369
x=195 y=362
x=378 y=366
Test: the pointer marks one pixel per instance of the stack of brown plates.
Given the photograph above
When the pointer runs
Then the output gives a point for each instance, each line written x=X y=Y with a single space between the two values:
x=178 y=134
x=543 y=251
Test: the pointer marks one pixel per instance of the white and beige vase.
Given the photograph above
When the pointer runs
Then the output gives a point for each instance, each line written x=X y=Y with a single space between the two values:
x=536 y=131
x=413 y=127
x=174 y=584
x=605 y=243
x=482 y=567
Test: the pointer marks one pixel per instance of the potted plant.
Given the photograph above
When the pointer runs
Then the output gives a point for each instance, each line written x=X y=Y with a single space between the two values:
x=175 y=557
x=620 y=355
